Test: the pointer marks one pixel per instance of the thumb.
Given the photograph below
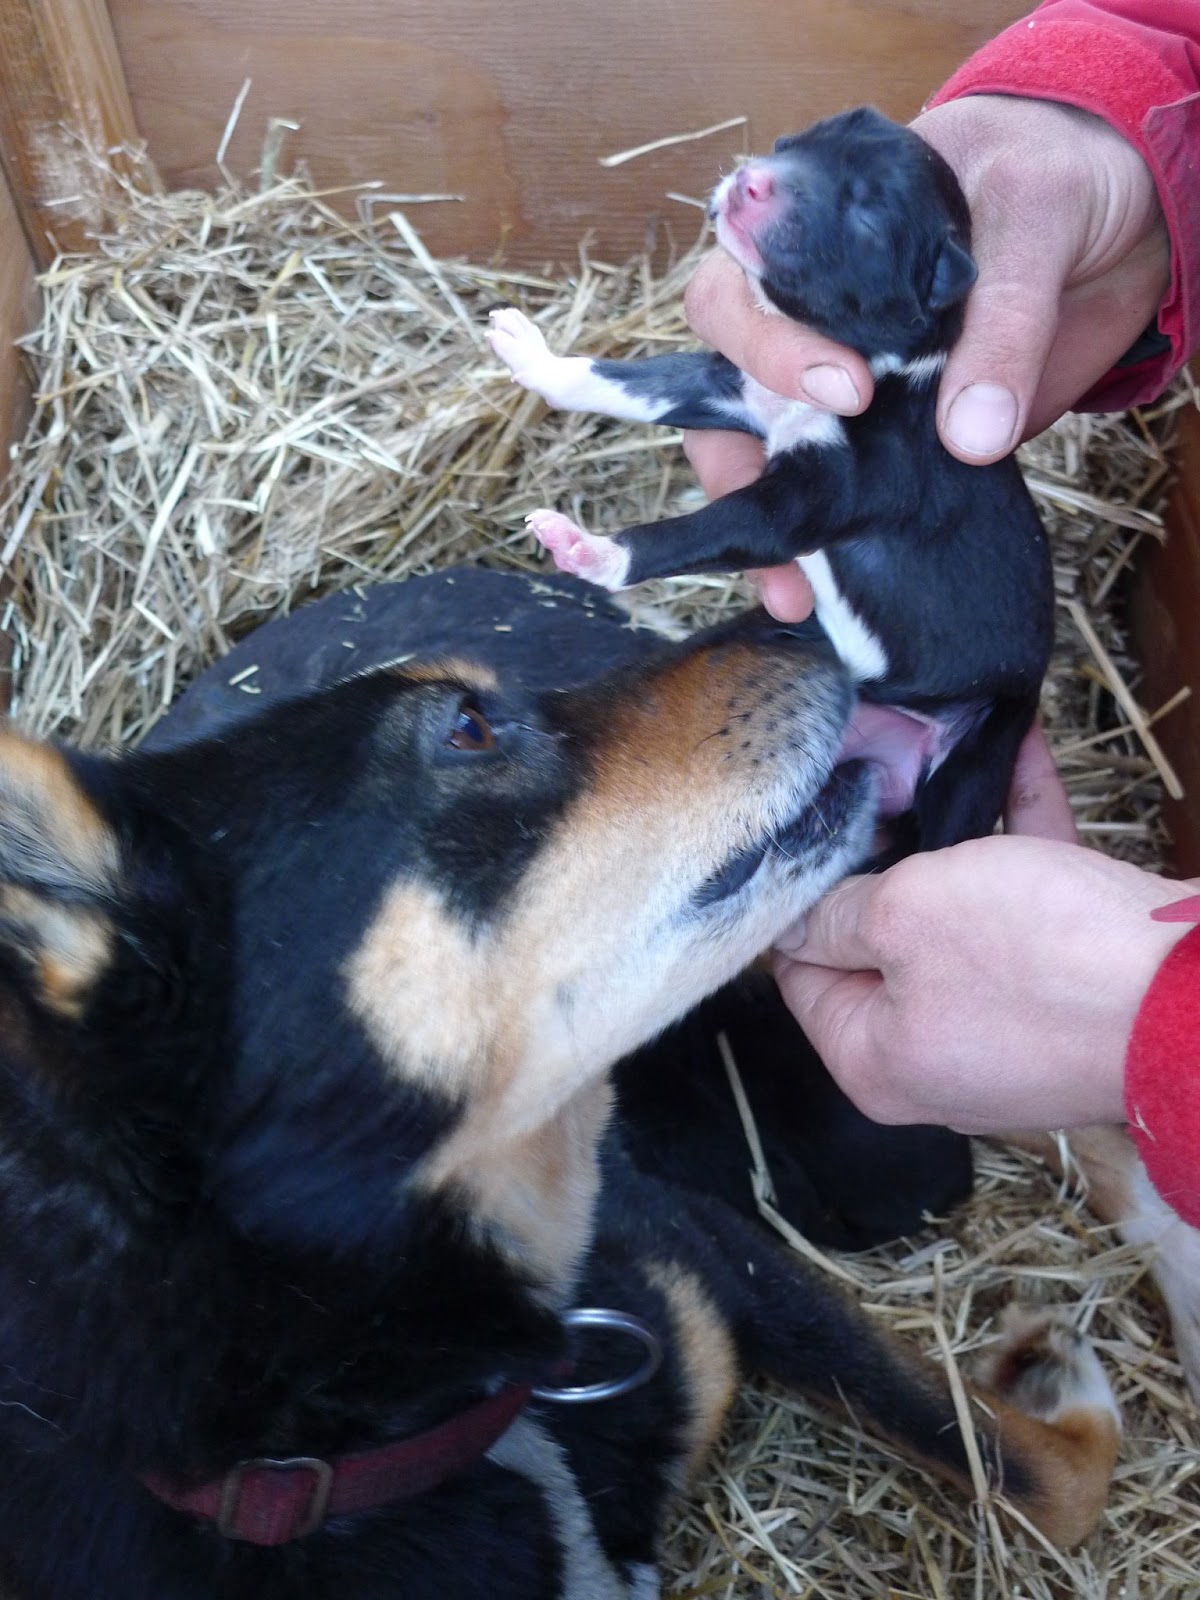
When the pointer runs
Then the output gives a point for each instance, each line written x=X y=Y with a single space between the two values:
x=783 y=355
x=994 y=370
x=830 y=935
x=837 y=1011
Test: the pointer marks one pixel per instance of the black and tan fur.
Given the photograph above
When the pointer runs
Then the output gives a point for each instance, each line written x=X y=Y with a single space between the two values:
x=306 y=1132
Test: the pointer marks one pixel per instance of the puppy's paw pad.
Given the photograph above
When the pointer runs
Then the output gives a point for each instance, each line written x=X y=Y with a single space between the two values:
x=1045 y=1367
x=585 y=555
x=518 y=344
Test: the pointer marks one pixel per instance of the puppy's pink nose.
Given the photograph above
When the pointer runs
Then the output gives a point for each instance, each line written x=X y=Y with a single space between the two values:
x=755 y=184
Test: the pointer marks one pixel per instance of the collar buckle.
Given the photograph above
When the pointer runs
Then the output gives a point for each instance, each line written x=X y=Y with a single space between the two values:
x=307 y=1515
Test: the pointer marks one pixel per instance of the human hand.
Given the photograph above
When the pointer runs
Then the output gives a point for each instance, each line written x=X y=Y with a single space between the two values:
x=1074 y=260
x=987 y=987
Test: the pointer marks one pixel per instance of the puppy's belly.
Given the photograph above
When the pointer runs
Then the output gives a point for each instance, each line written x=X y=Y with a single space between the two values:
x=859 y=648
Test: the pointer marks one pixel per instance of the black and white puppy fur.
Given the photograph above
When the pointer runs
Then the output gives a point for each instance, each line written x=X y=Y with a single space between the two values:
x=307 y=1138
x=931 y=578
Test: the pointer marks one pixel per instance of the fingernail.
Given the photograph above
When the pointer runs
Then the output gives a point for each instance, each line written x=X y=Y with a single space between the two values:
x=983 y=420
x=832 y=387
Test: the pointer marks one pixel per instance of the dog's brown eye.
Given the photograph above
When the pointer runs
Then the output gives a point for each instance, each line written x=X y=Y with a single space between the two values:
x=472 y=731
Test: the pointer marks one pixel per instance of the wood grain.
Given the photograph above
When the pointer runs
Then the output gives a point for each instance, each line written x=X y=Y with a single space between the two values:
x=1166 y=605
x=61 y=83
x=18 y=310
x=510 y=103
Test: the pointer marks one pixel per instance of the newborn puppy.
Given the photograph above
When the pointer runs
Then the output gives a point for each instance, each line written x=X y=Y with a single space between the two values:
x=932 y=579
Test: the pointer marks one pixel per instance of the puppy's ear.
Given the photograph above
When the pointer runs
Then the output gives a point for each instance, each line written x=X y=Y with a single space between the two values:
x=60 y=871
x=954 y=272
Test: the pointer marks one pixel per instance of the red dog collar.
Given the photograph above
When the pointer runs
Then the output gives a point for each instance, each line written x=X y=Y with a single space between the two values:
x=268 y=1502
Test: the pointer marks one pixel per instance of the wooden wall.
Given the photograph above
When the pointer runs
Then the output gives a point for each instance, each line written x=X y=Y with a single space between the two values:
x=18 y=309
x=511 y=102
x=18 y=306
x=1166 y=627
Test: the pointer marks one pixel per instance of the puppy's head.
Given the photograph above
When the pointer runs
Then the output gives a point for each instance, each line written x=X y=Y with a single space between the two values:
x=411 y=921
x=858 y=228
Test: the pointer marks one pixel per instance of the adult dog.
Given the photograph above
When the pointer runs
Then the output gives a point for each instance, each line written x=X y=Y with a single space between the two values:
x=308 y=1161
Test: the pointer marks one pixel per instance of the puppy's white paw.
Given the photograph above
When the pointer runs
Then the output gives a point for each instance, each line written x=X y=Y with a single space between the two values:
x=520 y=346
x=585 y=555
x=1045 y=1368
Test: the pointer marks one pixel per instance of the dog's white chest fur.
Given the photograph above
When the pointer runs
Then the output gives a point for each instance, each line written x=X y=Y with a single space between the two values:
x=787 y=423
x=859 y=649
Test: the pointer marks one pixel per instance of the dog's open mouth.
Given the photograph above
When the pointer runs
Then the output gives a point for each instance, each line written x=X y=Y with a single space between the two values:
x=901 y=746
x=803 y=842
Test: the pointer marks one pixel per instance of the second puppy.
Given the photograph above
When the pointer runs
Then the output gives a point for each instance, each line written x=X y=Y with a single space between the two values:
x=932 y=578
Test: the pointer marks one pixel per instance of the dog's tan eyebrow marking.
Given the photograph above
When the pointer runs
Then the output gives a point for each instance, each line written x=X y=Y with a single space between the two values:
x=451 y=669
x=54 y=847
x=47 y=823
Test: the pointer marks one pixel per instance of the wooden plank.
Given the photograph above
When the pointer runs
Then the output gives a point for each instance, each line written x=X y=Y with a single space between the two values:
x=511 y=104
x=62 y=93
x=1165 y=609
x=18 y=311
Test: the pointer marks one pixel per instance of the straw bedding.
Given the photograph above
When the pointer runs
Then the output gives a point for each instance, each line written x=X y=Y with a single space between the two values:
x=244 y=400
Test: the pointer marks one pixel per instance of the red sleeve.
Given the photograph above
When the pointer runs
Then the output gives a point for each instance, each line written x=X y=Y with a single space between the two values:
x=1162 y=1078
x=1136 y=63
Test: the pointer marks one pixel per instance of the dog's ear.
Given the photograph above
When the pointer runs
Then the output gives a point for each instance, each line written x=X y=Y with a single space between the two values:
x=60 y=872
x=954 y=272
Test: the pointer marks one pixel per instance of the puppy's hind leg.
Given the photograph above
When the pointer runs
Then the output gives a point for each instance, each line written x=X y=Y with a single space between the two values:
x=965 y=796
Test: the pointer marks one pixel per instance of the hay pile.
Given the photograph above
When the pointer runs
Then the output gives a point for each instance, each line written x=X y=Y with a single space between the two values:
x=243 y=400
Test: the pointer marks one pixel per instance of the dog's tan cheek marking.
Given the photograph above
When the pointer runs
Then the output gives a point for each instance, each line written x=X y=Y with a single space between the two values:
x=708 y=1355
x=533 y=1196
x=420 y=984
x=70 y=949
x=422 y=987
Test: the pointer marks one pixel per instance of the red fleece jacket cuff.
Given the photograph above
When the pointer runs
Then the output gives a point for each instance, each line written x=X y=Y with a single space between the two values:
x=1162 y=1079
x=1101 y=64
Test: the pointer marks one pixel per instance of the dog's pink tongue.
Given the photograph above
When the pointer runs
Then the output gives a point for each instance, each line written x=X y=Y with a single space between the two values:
x=897 y=744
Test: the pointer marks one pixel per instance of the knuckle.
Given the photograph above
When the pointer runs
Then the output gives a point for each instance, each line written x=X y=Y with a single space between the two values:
x=888 y=919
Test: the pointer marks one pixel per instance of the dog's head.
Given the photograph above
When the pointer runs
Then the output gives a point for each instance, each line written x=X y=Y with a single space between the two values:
x=374 y=952
x=858 y=228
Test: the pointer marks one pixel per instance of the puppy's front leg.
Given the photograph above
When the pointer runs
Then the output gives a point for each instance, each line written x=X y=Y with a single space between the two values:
x=780 y=516
x=691 y=389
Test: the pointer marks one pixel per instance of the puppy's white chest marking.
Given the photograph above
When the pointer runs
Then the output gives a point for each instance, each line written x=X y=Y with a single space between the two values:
x=859 y=649
x=786 y=423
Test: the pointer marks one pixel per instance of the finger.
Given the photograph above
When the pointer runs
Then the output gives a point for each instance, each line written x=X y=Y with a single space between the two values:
x=1037 y=801
x=995 y=369
x=785 y=591
x=831 y=935
x=840 y=1014
x=724 y=461
x=781 y=354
